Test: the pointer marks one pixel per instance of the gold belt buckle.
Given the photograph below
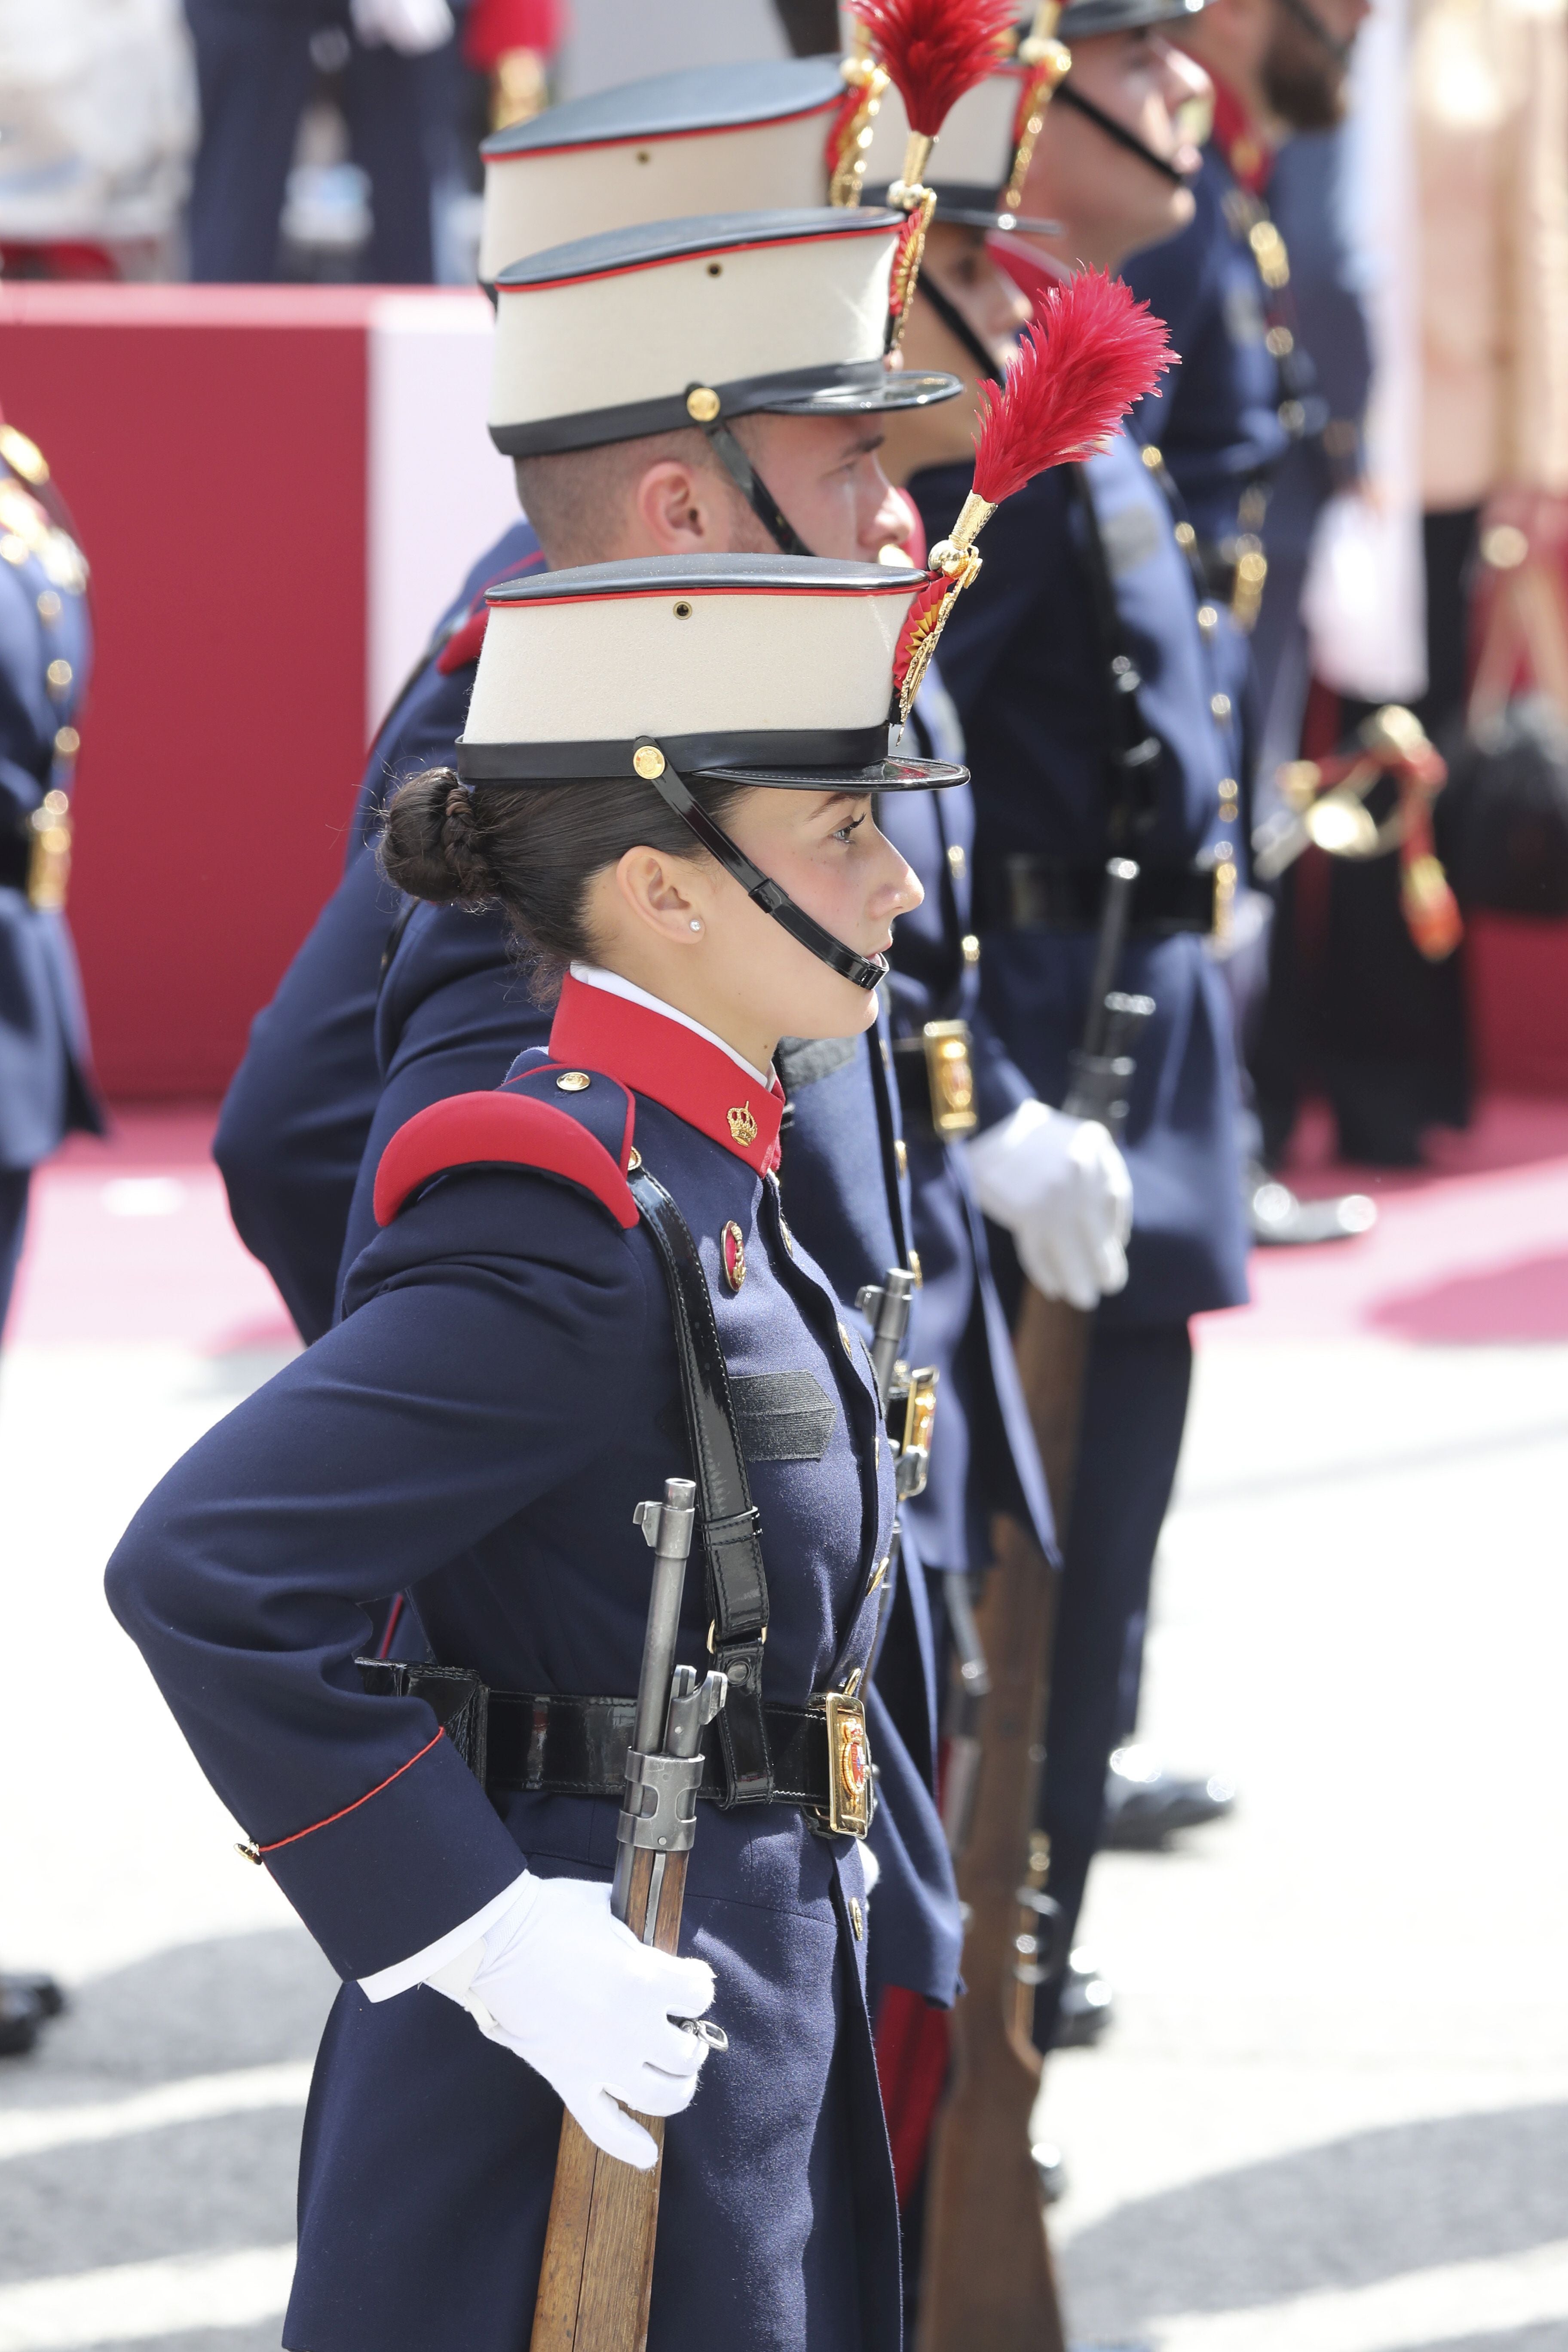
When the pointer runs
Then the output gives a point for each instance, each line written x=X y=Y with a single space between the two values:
x=50 y=854
x=950 y=1074
x=850 y=1797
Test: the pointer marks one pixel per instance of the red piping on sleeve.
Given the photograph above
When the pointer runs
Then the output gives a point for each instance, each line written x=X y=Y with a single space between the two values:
x=278 y=1844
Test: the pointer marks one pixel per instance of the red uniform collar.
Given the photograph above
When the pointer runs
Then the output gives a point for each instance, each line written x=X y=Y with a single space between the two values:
x=671 y=1065
x=1240 y=141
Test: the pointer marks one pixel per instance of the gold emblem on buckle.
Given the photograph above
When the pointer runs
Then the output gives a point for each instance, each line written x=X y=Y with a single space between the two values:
x=849 y=1789
x=950 y=1074
x=743 y=1126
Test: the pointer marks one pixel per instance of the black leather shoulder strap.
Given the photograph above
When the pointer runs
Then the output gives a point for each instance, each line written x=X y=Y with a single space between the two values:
x=732 y=1535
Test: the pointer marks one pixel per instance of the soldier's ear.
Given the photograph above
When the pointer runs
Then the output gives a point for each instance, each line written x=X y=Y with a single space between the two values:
x=682 y=509
x=661 y=894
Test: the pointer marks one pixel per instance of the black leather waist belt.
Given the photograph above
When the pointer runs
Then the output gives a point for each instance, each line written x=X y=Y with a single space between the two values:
x=1038 y=891
x=936 y=1080
x=555 y=1744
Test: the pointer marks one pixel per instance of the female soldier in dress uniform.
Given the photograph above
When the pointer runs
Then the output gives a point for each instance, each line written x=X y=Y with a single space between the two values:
x=666 y=782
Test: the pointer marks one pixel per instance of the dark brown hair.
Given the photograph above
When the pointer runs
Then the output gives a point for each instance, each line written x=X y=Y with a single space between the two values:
x=530 y=850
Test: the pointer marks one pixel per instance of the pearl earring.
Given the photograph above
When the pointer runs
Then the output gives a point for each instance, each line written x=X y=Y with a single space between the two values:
x=695 y=924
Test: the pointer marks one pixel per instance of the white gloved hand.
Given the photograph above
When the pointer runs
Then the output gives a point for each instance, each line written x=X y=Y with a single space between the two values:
x=412 y=27
x=559 y=1982
x=1061 y=1188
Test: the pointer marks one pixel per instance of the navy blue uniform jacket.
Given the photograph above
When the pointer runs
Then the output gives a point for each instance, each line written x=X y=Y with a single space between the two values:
x=46 y=652
x=1022 y=659
x=983 y=1459
x=1217 y=416
x=500 y=1394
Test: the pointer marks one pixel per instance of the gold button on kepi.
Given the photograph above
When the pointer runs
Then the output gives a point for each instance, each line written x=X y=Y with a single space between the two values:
x=732 y=1250
x=649 y=760
x=701 y=403
x=571 y=1082
x=743 y=1126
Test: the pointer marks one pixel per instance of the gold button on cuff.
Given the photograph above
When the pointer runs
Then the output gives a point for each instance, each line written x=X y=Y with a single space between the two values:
x=572 y=1082
x=649 y=760
x=857 y=1917
x=67 y=742
x=701 y=403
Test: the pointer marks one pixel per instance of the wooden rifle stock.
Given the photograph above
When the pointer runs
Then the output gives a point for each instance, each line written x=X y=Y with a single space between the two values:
x=987 y=2278
x=596 y=2277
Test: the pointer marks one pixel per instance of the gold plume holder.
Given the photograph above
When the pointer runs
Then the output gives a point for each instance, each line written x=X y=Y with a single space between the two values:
x=909 y=194
x=866 y=80
x=955 y=559
x=1049 y=62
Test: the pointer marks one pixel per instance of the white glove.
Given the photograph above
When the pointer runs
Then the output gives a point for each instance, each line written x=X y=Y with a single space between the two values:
x=559 y=1983
x=412 y=27
x=1061 y=1188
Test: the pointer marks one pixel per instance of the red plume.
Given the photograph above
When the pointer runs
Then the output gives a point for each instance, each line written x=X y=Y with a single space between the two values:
x=1090 y=353
x=936 y=49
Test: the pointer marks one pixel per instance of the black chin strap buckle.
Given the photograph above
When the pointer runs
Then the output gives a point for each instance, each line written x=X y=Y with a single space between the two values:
x=703 y=408
x=675 y=793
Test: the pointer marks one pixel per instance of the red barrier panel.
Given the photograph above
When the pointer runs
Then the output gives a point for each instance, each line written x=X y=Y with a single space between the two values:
x=210 y=442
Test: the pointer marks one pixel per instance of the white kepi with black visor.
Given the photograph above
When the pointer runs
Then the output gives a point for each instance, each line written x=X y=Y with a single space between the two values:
x=774 y=671
x=695 y=323
x=786 y=132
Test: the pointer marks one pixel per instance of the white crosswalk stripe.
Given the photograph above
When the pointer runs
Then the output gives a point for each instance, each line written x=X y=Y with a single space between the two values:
x=1441 y=2306
x=132 y=2301
x=198 y=2098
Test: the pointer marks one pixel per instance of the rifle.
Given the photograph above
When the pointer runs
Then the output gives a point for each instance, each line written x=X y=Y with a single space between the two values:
x=597 y=2273
x=987 y=2277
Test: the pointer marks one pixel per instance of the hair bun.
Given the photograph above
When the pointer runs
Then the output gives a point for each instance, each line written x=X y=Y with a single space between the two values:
x=432 y=843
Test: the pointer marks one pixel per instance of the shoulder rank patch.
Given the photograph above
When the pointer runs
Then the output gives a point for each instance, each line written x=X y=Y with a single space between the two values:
x=510 y=1129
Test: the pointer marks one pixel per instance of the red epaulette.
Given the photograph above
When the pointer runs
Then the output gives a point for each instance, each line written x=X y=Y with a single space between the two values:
x=463 y=646
x=504 y=1129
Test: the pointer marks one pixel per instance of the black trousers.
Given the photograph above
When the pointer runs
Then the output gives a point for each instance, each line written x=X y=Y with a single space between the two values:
x=1135 y=1408
x=254 y=73
x=13 y=1183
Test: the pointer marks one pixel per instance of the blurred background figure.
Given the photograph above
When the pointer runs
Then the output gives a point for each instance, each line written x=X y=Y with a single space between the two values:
x=98 y=122
x=340 y=136
x=46 y=1084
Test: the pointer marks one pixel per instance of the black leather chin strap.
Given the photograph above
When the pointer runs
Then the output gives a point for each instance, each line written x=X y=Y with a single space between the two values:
x=1067 y=96
x=753 y=488
x=864 y=970
x=958 y=327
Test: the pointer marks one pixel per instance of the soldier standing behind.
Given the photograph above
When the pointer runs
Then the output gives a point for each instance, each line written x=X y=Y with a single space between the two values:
x=45 y=1083
x=1083 y=570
